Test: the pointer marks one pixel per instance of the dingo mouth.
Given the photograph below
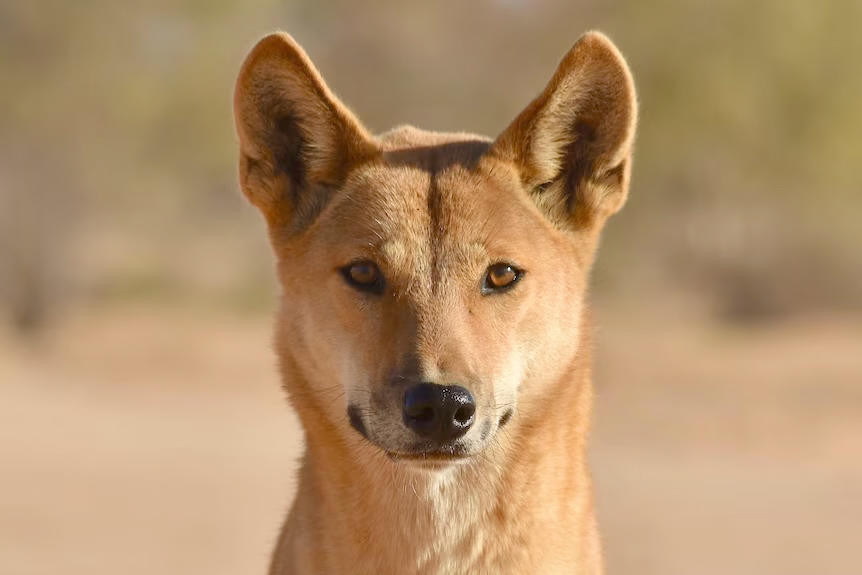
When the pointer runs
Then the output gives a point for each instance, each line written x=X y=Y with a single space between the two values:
x=430 y=461
x=442 y=454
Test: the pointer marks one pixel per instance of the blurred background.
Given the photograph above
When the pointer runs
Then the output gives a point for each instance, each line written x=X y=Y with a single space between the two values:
x=141 y=424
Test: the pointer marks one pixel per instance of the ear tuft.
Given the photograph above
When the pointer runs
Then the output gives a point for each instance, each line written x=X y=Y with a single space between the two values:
x=297 y=141
x=572 y=145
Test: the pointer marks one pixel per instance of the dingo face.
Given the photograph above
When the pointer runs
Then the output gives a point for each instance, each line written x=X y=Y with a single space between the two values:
x=419 y=275
x=432 y=282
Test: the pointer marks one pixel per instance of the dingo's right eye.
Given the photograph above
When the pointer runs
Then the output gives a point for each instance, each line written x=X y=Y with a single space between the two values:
x=364 y=276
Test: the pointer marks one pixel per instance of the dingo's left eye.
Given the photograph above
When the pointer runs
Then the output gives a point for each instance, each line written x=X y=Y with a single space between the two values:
x=364 y=276
x=500 y=277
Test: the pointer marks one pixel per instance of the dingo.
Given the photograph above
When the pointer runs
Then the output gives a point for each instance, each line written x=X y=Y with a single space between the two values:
x=434 y=331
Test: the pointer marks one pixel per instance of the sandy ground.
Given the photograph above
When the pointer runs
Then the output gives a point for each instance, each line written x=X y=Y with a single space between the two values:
x=143 y=441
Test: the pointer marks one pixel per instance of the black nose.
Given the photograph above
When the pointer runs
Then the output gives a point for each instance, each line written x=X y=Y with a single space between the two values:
x=439 y=412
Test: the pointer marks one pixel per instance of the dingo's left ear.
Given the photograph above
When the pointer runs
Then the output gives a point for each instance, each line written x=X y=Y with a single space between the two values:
x=297 y=141
x=572 y=145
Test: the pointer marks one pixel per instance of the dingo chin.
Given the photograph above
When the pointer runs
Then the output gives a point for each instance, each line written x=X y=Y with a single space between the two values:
x=434 y=331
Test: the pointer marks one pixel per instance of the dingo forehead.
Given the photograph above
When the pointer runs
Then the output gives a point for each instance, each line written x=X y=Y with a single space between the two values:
x=431 y=210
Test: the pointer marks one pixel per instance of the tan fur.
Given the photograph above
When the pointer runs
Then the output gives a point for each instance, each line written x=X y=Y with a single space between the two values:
x=433 y=211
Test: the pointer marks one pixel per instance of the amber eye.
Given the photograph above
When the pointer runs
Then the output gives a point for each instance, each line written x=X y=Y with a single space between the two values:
x=364 y=276
x=500 y=277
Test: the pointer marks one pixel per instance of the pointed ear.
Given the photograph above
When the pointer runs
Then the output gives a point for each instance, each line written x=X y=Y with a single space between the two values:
x=573 y=144
x=297 y=141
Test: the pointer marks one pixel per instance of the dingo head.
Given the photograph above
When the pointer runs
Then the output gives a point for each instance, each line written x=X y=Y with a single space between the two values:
x=433 y=283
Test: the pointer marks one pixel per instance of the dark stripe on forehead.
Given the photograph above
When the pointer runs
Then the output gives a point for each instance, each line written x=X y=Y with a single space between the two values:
x=436 y=228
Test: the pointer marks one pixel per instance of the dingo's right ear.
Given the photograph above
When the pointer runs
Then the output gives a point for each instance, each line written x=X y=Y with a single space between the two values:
x=297 y=141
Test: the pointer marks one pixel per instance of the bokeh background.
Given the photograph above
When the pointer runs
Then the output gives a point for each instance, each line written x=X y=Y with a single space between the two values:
x=142 y=429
